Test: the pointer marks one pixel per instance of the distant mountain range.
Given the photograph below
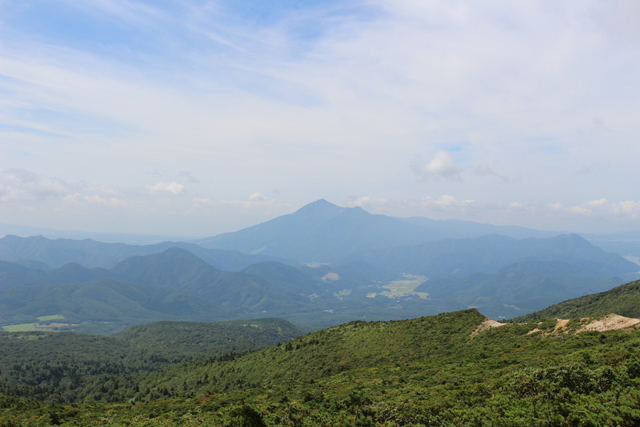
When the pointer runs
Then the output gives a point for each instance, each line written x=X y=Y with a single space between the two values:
x=326 y=226
x=42 y=253
x=175 y=284
x=368 y=267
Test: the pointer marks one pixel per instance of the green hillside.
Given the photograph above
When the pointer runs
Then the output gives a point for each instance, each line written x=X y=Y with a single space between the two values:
x=66 y=367
x=434 y=371
x=173 y=285
x=179 y=268
x=623 y=300
x=117 y=303
x=202 y=339
x=520 y=287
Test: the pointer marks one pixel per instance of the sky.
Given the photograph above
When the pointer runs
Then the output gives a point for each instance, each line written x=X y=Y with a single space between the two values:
x=187 y=117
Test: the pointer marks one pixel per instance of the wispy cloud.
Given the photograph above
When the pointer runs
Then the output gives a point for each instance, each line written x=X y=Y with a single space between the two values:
x=484 y=170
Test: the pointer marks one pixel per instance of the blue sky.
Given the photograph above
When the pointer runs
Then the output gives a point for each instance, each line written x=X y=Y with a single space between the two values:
x=200 y=117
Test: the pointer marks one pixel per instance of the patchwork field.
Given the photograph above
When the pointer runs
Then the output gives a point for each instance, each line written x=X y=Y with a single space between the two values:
x=26 y=327
x=402 y=288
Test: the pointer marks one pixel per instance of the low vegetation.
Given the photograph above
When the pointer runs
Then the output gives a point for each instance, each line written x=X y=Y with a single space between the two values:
x=420 y=372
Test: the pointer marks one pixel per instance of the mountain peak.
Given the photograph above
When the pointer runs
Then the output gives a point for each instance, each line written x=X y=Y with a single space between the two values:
x=320 y=207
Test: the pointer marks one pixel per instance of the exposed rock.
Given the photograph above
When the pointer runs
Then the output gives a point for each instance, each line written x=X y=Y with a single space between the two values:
x=487 y=324
x=610 y=322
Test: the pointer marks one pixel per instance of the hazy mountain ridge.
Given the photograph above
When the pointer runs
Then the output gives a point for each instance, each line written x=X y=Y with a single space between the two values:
x=176 y=282
x=90 y=253
x=323 y=232
x=104 y=300
x=502 y=276
x=368 y=279
x=492 y=252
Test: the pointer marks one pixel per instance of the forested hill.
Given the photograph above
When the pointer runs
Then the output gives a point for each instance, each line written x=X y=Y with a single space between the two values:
x=66 y=367
x=623 y=300
x=204 y=339
x=451 y=369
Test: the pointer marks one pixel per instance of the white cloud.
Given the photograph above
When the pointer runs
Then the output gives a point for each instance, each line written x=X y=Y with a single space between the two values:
x=172 y=188
x=441 y=166
x=445 y=201
x=629 y=208
x=20 y=184
x=602 y=208
x=367 y=203
x=257 y=197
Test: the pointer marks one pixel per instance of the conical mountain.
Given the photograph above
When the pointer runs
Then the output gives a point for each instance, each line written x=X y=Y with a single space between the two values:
x=319 y=231
x=324 y=232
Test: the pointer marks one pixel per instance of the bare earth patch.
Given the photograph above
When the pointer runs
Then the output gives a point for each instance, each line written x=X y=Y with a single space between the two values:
x=487 y=324
x=610 y=322
x=562 y=323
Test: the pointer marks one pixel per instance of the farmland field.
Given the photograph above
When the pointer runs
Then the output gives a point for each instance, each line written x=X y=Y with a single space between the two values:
x=403 y=288
x=52 y=317
x=24 y=327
